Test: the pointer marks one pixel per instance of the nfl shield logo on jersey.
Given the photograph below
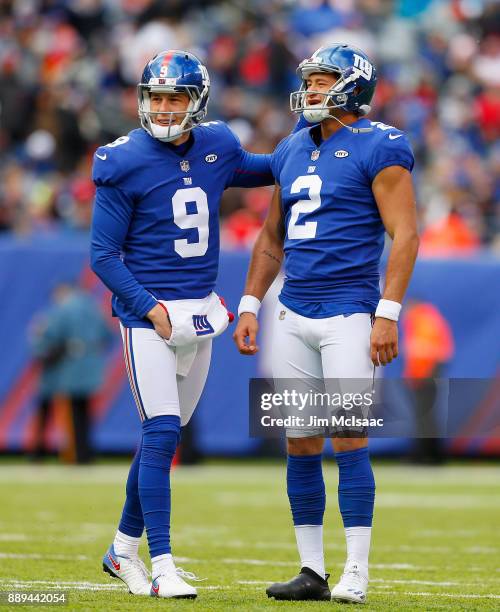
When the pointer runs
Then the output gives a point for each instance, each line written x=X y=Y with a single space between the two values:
x=184 y=165
x=315 y=155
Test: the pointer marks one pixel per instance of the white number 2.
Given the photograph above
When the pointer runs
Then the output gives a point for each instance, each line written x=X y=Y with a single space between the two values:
x=197 y=220
x=312 y=183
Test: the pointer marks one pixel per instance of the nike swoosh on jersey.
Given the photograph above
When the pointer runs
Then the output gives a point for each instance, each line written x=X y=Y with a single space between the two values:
x=103 y=157
x=394 y=136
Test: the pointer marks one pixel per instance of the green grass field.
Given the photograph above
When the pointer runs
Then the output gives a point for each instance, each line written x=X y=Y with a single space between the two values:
x=436 y=543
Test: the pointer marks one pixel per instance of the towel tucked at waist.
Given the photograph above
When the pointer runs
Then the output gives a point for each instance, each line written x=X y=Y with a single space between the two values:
x=194 y=321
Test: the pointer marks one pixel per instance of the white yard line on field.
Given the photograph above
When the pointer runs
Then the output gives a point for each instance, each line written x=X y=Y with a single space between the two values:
x=376 y=566
x=381 y=581
x=99 y=586
x=401 y=566
x=267 y=475
x=430 y=582
x=448 y=533
x=230 y=561
x=450 y=595
x=225 y=561
x=57 y=585
x=422 y=501
x=473 y=550
x=488 y=550
x=83 y=586
x=237 y=544
x=436 y=501
x=259 y=562
x=216 y=587
x=39 y=557
x=341 y=546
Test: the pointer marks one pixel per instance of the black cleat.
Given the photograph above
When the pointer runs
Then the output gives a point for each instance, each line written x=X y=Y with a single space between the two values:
x=306 y=586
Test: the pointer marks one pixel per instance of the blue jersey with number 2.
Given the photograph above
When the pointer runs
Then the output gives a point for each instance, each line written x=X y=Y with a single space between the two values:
x=334 y=234
x=155 y=229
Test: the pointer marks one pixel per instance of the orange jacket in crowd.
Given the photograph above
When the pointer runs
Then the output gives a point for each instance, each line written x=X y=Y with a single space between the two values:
x=427 y=340
x=447 y=236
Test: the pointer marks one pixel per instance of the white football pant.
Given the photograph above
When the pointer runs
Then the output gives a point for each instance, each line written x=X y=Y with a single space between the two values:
x=321 y=354
x=151 y=368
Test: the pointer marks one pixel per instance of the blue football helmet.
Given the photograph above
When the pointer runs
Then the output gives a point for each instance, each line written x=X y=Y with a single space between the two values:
x=353 y=91
x=174 y=72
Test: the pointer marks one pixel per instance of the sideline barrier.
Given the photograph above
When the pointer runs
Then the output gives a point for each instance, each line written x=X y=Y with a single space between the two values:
x=465 y=291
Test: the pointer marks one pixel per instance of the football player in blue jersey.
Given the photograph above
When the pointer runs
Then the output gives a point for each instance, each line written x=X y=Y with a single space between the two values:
x=155 y=245
x=341 y=184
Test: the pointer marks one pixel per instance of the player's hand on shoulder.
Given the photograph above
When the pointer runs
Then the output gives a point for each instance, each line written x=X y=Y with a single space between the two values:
x=158 y=316
x=245 y=335
x=384 y=341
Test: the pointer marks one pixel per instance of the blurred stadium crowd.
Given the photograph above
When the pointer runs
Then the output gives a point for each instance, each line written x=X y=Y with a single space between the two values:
x=69 y=69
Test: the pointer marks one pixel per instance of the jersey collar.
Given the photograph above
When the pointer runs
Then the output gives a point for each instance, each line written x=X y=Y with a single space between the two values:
x=314 y=132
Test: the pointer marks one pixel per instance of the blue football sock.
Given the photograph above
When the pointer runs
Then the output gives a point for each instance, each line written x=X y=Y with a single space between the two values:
x=159 y=442
x=132 y=523
x=356 y=488
x=306 y=489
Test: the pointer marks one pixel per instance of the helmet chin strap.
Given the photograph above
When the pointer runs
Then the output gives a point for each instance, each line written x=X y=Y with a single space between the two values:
x=316 y=115
x=354 y=130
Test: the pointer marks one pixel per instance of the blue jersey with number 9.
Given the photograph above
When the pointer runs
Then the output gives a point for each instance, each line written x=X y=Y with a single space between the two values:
x=155 y=229
x=334 y=234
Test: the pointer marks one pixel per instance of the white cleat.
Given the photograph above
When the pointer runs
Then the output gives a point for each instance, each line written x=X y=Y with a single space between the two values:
x=353 y=584
x=132 y=572
x=172 y=585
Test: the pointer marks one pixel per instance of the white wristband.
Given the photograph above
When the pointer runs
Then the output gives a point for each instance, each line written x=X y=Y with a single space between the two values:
x=387 y=309
x=249 y=303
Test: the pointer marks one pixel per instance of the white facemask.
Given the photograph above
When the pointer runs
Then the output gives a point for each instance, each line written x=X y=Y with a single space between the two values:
x=316 y=113
x=166 y=133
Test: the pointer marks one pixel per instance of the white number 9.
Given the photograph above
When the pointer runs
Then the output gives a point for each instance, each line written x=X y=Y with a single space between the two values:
x=197 y=220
